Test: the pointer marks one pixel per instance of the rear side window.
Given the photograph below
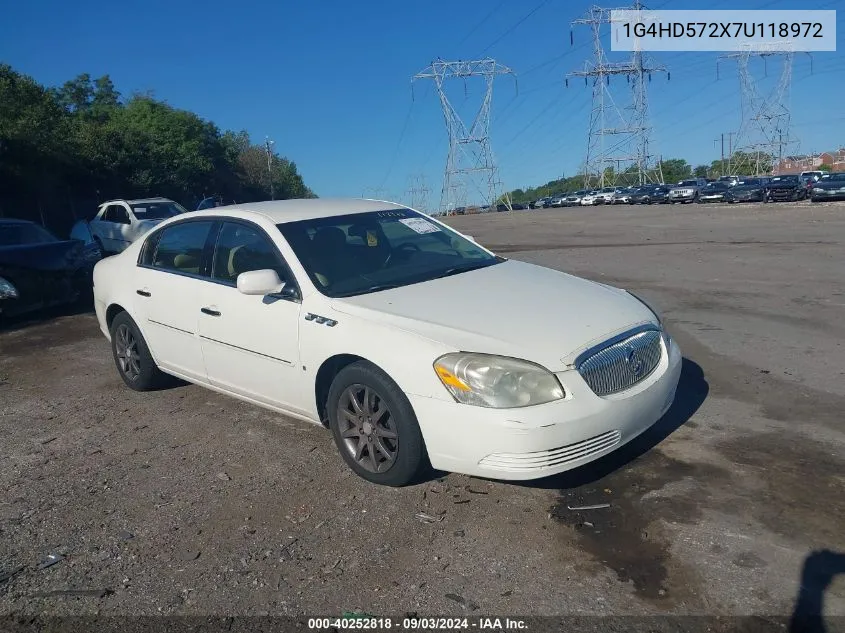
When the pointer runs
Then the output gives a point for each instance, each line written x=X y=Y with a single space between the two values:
x=116 y=213
x=180 y=247
x=240 y=249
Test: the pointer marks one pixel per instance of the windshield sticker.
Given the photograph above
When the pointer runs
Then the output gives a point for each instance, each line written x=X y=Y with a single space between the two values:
x=372 y=238
x=419 y=225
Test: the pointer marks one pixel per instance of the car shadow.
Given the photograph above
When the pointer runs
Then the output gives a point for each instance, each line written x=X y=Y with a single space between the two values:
x=83 y=305
x=690 y=395
x=819 y=570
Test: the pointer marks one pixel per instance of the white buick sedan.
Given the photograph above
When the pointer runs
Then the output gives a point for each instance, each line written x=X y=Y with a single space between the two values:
x=415 y=345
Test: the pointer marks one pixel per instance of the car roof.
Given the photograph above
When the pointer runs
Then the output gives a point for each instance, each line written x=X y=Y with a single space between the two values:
x=281 y=211
x=138 y=201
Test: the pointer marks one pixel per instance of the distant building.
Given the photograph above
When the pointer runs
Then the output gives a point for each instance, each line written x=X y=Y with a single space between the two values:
x=796 y=164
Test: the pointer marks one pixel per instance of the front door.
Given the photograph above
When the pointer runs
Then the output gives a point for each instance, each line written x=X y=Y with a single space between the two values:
x=251 y=343
x=169 y=283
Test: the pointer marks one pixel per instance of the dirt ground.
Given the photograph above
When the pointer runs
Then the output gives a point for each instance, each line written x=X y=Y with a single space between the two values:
x=187 y=502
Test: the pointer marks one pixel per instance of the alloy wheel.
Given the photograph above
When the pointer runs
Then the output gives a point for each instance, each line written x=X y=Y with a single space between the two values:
x=126 y=350
x=367 y=427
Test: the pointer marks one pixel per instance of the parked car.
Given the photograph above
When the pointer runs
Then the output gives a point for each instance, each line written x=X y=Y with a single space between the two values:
x=557 y=201
x=729 y=180
x=591 y=198
x=606 y=194
x=118 y=223
x=643 y=194
x=360 y=314
x=687 y=190
x=540 y=203
x=622 y=196
x=574 y=199
x=747 y=190
x=38 y=270
x=830 y=188
x=814 y=175
x=714 y=191
x=786 y=188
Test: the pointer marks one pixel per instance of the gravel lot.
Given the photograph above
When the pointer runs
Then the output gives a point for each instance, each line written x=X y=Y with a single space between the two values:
x=187 y=502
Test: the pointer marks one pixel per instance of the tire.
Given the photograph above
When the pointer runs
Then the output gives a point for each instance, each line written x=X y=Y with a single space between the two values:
x=138 y=371
x=360 y=433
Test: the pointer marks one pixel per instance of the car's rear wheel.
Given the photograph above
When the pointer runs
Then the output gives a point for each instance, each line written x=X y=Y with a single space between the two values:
x=132 y=357
x=374 y=426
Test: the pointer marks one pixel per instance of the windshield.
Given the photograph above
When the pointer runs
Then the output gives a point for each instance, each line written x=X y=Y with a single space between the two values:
x=836 y=176
x=717 y=185
x=156 y=210
x=788 y=179
x=354 y=254
x=689 y=183
x=750 y=181
x=16 y=234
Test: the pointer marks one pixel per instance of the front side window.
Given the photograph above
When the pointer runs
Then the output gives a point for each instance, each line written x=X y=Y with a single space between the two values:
x=241 y=248
x=354 y=254
x=180 y=247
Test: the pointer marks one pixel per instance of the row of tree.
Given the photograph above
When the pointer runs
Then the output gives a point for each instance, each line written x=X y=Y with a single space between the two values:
x=668 y=171
x=64 y=150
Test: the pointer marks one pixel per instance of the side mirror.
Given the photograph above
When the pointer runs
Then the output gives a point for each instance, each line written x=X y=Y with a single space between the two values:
x=260 y=282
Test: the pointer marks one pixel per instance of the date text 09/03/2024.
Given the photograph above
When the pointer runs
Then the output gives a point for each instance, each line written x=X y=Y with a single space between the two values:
x=418 y=624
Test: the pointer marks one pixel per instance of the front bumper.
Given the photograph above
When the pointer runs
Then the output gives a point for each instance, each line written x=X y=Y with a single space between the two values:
x=719 y=198
x=783 y=195
x=538 y=441
x=675 y=197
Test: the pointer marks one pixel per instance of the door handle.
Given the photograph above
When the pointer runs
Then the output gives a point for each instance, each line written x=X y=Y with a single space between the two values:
x=209 y=312
x=143 y=293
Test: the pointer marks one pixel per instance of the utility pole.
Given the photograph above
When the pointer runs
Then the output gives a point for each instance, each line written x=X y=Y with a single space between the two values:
x=470 y=155
x=268 y=145
x=606 y=118
x=765 y=118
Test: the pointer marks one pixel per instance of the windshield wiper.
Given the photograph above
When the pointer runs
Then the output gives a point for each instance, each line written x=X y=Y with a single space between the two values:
x=369 y=289
x=455 y=270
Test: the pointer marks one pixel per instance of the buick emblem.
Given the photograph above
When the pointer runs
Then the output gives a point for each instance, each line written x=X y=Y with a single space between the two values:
x=632 y=358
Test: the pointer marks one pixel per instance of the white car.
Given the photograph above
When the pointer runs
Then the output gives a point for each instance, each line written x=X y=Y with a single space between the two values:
x=415 y=345
x=591 y=199
x=118 y=223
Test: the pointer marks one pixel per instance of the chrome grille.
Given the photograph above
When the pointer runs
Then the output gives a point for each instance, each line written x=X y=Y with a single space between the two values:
x=620 y=364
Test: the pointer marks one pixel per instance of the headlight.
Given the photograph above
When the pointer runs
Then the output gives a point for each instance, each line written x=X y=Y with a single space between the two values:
x=498 y=382
x=7 y=290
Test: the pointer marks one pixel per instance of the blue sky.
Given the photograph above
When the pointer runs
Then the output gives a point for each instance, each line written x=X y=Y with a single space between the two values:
x=330 y=81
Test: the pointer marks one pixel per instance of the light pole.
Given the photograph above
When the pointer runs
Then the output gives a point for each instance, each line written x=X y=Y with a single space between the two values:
x=268 y=144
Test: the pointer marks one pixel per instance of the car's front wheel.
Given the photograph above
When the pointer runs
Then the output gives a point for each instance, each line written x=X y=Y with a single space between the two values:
x=132 y=357
x=374 y=426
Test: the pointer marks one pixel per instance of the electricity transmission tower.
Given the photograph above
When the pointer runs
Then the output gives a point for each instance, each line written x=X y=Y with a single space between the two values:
x=630 y=133
x=470 y=156
x=417 y=193
x=764 y=132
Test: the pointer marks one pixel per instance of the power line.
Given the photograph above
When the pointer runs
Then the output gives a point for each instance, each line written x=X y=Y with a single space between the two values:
x=515 y=26
x=480 y=24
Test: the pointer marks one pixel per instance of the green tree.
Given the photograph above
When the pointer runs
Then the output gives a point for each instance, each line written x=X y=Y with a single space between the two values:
x=64 y=150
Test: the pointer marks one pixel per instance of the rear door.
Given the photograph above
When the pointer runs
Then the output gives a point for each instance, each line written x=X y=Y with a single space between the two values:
x=251 y=343
x=113 y=227
x=170 y=279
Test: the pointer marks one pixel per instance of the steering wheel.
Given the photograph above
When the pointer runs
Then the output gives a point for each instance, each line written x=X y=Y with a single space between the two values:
x=405 y=247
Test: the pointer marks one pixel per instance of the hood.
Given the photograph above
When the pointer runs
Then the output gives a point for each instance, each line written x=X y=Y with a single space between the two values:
x=741 y=188
x=63 y=255
x=785 y=185
x=512 y=309
x=829 y=184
